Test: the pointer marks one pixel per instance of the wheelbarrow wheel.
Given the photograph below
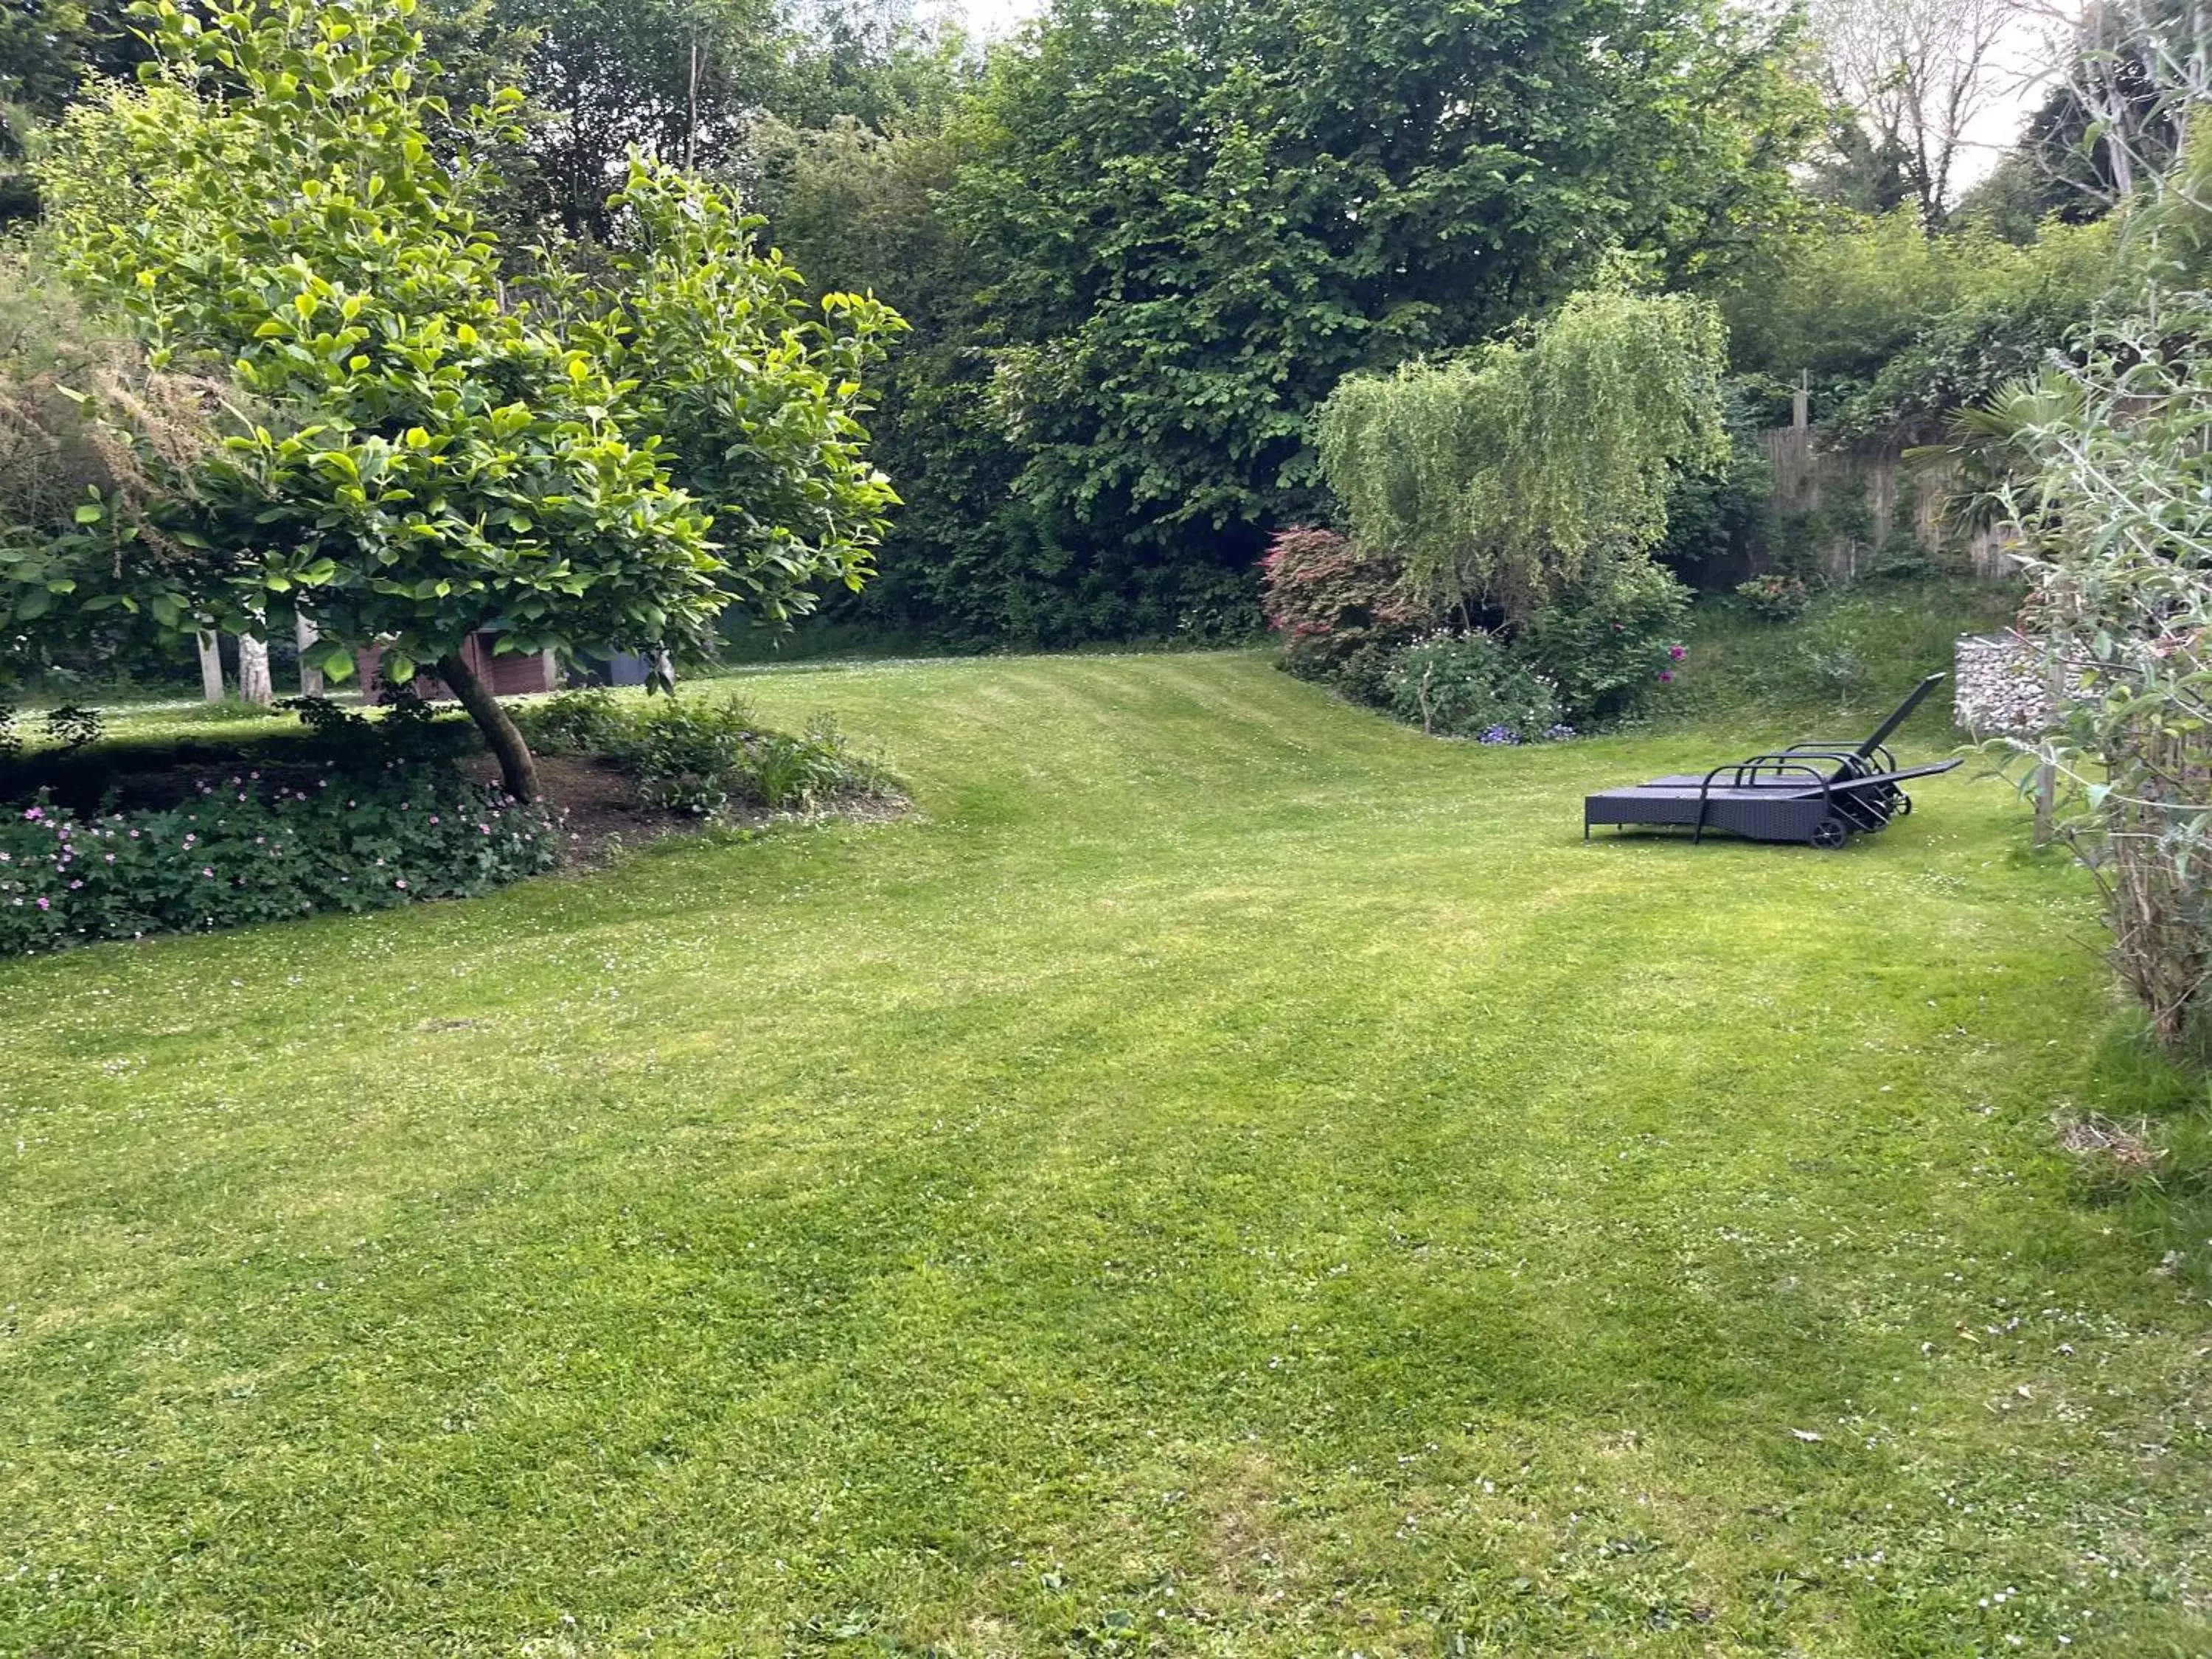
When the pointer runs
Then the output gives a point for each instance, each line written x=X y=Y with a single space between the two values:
x=1830 y=835
x=1904 y=807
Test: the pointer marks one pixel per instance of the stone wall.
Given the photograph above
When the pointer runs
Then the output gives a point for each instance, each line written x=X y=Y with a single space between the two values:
x=1858 y=500
x=2003 y=684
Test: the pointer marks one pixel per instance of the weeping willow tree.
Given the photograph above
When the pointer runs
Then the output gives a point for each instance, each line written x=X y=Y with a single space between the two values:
x=1505 y=479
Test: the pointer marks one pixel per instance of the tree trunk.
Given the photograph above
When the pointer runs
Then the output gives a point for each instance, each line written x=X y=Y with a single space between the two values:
x=253 y=684
x=310 y=679
x=211 y=667
x=517 y=769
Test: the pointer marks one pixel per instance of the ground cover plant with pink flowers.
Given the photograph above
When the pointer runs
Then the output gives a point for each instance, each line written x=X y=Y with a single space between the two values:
x=240 y=847
x=174 y=825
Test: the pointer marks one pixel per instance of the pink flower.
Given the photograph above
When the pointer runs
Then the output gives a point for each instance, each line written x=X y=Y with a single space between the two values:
x=1676 y=653
x=46 y=904
x=75 y=886
x=401 y=885
x=1666 y=677
x=434 y=817
x=208 y=873
x=111 y=858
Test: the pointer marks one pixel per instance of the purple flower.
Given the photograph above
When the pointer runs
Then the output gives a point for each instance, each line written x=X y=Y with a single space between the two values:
x=1665 y=677
x=1678 y=652
x=46 y=904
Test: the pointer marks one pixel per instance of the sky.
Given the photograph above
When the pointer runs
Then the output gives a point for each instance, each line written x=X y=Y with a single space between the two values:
x=994 y=19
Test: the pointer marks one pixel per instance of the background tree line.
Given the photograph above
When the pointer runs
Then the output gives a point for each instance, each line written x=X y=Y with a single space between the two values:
x=1140 y=244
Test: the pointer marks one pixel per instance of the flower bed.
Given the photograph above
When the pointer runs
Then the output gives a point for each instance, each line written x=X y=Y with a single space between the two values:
x=243 y=847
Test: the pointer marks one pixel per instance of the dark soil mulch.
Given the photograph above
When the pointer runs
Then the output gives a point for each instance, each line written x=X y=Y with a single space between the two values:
x=605 y=813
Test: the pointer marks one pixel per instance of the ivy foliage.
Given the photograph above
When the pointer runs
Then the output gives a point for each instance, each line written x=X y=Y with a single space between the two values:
x=1507 y=478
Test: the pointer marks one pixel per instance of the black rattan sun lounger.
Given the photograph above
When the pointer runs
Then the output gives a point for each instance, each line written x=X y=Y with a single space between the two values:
x=1819 y=794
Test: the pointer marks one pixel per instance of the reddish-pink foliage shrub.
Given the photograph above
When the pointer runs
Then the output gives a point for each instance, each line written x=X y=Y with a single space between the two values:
x=1341 y=612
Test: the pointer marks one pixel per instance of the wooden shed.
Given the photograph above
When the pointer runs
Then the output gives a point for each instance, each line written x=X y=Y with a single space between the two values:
x=513 y=674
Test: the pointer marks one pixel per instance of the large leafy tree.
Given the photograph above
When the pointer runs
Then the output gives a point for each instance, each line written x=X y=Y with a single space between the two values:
x=434 y=443
x=676 y=79
x=1198 y=217
x=693 y=83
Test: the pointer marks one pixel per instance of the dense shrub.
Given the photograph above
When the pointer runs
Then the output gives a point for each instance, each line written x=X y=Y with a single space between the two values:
x=245 y=849
x=1468 y=685
x=1896 y=328
x=1343 y=615
x=689 y=755
x=702 y=754
x=1774 y=598
x=570 y=722
x=1609 y=645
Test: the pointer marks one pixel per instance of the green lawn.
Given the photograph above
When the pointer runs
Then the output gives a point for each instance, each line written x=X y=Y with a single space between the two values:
x=1228 y=1176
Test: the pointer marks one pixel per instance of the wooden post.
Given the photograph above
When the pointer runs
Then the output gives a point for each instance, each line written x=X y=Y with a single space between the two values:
x=310 y=679
x=211 y=667
x=2047 y=774
x=1800 y=401
x=253 y=684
